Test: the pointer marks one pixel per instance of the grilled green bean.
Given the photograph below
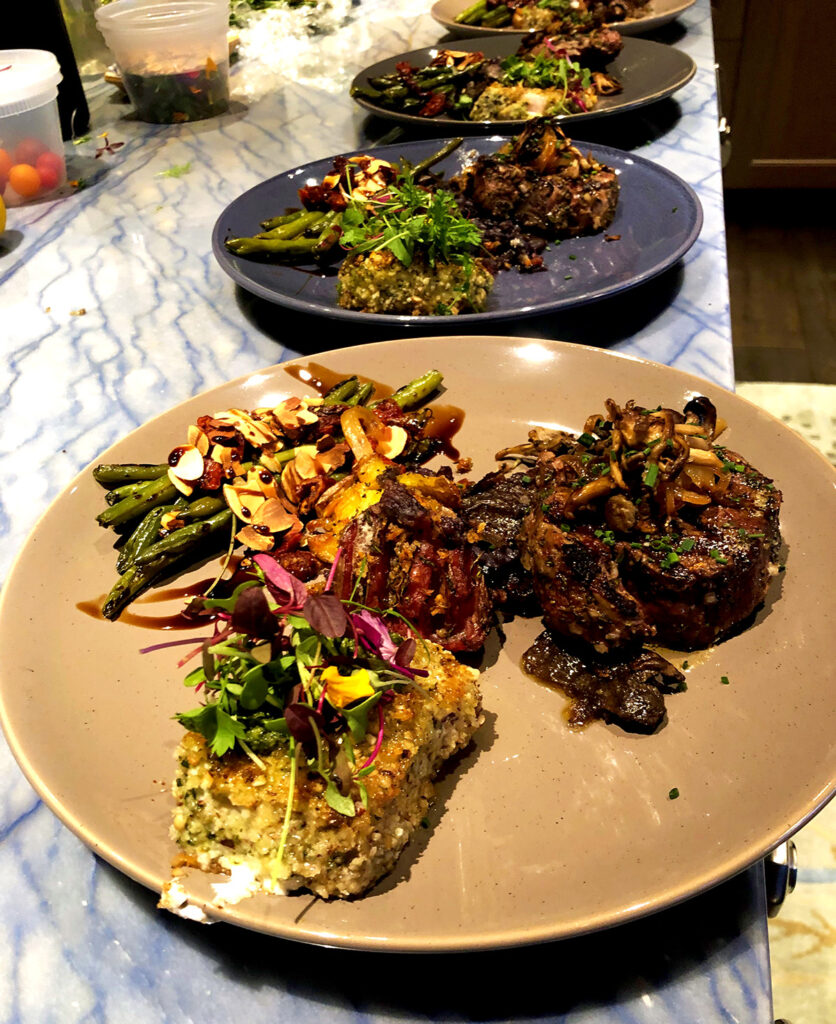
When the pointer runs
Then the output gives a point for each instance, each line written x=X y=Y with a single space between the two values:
x=295 y=227
x=153 y=493
x=417 y=391
x=187 y=537
x=112 y=475
x=276 y=222
x=341 y=391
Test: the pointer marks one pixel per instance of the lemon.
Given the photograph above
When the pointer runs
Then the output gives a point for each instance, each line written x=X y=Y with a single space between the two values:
x=2 y=216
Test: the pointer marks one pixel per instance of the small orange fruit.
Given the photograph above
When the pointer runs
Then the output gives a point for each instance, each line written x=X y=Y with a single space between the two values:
x=25 y=180
x=5 y=163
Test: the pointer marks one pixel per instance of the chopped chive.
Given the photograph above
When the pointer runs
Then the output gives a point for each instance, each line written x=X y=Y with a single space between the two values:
x=724 y=680
x=674 y=793
x=651 y=474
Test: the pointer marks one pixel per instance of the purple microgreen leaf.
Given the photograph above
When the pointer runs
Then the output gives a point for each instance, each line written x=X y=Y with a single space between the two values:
x=326 y=614
x=372 y=629
x=252 y=614
x=405 y=653
x=299 y=717
x=290 y=592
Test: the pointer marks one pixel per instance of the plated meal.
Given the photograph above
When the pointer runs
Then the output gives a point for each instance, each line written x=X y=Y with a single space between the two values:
x=477 y=84
x=329 y=694
x=468 y=85
x=569 y=16
x=334 y=605
x=458 y=232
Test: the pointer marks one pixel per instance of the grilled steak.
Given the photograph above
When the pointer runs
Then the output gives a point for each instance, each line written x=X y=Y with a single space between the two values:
x=494 y=509
x=644 y=529
x=542 y=183
x=589 y=49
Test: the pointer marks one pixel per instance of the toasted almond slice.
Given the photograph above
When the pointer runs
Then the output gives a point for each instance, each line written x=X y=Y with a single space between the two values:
x=235 y=499
x=255 y=433
x=189 y=465
x=293 y=412
x=181 y=485
x=269 y=463
x=291 y=481
x=221 y=454
x=332 y=459
x=392 y=442
x=253 y=539
x=305 y=466
x=272 y=514
x=199 y=439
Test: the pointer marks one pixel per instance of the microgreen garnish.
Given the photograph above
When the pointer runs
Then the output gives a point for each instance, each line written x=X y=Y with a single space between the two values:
x=176 y=171
x=547 y=72
x=406 y=217
x=301 y=671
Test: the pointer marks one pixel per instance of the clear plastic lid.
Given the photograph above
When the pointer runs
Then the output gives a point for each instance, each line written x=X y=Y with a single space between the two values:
x=28 y=79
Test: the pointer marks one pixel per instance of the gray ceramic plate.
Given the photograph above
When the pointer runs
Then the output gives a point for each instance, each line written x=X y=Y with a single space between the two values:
x=658 y=219
x=539 y=832
x=659 y=13
x=648 y=72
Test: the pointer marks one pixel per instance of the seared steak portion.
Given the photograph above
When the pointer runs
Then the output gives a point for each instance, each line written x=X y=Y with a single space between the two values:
x=589 y=49
x=541 y=182
x=494 y=509
x=644 y=529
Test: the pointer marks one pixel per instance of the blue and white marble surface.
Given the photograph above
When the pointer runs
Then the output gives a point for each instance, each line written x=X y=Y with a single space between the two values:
x=113 y=309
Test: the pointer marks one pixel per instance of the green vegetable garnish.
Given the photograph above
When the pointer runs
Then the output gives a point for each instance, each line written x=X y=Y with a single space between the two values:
x=406 y=218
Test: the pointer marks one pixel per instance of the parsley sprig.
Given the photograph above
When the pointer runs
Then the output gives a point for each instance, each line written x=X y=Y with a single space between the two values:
x=406 y=219
x=546 y=72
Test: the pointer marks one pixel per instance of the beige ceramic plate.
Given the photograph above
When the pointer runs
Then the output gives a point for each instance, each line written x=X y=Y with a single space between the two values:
x=660 y=12
x=538 y=832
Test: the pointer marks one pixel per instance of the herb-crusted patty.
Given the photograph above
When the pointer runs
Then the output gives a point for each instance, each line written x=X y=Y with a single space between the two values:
x=229 y=812
x=377 y=282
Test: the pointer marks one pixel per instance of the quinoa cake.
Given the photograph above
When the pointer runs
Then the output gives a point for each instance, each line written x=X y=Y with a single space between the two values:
x=230 y=813
x=377 y=282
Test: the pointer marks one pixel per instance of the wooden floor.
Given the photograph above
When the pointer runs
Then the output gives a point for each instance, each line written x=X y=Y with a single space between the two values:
x=782 y=279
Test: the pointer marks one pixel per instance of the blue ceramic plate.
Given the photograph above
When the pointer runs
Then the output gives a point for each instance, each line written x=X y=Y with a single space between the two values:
x=658 y=220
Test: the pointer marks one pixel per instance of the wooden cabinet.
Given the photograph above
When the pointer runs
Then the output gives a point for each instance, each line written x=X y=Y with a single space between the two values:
x=777 y=73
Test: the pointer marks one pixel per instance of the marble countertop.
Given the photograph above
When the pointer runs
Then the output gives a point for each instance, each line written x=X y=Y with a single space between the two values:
x=113 y=310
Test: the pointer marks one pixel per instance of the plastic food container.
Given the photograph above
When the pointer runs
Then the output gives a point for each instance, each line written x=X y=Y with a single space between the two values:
x=31 y=149
x=173 y=56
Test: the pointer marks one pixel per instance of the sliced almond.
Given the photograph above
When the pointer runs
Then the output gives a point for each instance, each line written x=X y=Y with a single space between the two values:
x=189 y=465
x=253 y=539
x=392 y=442
x=181 y=485
x=293 y=413
x=272 y=514
x=198 y=439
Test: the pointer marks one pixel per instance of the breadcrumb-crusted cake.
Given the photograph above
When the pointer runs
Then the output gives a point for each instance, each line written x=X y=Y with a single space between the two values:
x=230 y=813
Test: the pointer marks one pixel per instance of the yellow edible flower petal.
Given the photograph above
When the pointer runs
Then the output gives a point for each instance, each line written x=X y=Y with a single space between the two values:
x=343 y=690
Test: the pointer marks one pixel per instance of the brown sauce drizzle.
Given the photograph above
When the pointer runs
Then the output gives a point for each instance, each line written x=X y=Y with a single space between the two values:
x=176 y=621
x=321 y=379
